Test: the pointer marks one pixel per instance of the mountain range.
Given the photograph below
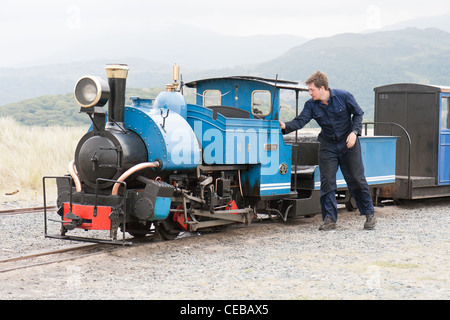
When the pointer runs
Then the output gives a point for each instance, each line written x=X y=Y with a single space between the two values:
x=356 y=62
x=192 y=48
x=360 y=62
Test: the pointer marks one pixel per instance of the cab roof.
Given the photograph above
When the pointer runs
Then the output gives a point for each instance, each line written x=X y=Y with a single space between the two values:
x=280 y=84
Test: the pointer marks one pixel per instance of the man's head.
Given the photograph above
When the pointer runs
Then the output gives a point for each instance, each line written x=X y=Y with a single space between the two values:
x=317 y=85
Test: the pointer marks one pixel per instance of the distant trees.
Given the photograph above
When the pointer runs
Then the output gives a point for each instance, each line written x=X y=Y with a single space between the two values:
x=61 y=109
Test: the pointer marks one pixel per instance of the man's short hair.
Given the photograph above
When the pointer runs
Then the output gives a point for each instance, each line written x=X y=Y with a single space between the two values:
x=319 y=79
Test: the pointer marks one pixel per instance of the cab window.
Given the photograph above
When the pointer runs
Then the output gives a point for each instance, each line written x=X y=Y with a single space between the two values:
x=212 y=98
x=261 y=103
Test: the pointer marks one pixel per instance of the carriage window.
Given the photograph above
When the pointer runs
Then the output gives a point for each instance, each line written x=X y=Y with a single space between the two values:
x=261 y=102
x=445 y=113
x=212 y=98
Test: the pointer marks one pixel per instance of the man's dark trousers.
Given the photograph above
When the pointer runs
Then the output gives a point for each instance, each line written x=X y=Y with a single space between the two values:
x=331 y=155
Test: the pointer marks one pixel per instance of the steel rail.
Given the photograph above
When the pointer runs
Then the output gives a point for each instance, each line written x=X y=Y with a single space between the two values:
x=23 y=210
x=50 y=262
x=47 y=253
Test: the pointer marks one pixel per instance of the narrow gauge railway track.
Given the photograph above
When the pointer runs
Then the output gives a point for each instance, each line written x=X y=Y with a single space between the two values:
x=47 y=257
x=24 y=210
x=60 y=255
x=51 y=256
x=56 y=256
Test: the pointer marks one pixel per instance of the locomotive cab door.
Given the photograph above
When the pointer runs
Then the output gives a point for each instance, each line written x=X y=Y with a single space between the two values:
x=444 y=140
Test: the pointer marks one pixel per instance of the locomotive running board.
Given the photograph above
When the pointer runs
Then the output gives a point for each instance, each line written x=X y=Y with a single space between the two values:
x=207 y=224
x=223 y=217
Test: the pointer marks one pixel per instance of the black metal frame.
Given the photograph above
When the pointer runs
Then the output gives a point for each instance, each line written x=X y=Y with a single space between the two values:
x=85 y=239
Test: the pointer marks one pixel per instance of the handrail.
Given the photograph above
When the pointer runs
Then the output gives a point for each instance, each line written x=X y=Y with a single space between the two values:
x=70 y=180
x=409 y=146
x=124 y=202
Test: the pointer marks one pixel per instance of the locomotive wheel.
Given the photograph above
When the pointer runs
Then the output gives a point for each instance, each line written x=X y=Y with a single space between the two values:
x=221 y=228
x=167 y=230
x=138 y=230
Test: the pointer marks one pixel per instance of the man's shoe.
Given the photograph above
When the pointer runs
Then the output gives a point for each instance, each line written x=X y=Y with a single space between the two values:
x=370 y=222
x=328 y=224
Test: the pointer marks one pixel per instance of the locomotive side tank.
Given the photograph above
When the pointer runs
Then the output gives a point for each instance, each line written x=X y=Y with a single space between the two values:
x=237 y=117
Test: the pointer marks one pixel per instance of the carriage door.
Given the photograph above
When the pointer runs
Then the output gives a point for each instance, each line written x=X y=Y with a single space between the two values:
x=444 y=140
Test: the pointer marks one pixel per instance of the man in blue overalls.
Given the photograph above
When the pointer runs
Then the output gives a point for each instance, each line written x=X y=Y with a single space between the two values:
x=340 y=118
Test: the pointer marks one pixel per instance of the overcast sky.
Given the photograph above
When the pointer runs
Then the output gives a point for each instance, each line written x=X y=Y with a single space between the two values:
x=45 y=23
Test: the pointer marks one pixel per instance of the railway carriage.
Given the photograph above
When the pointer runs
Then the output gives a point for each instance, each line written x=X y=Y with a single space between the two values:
x=422 y=117
x=163 y=165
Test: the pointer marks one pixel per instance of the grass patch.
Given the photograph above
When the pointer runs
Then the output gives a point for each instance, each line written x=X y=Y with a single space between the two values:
x=28 y=153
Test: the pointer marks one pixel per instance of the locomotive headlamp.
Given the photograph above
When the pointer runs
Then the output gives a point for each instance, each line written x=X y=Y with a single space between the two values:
x=91 y=91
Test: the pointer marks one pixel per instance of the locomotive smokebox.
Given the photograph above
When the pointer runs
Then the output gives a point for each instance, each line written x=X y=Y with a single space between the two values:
x=117 y=78
x=109 y=150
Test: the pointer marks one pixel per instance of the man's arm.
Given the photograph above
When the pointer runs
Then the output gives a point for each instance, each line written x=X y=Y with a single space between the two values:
x=298 y=122
x=357 y=118
x=357 y=113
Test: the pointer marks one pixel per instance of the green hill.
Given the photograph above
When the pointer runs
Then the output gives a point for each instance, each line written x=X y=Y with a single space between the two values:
x=360 y=62
x=58 y=109
x=17 y=84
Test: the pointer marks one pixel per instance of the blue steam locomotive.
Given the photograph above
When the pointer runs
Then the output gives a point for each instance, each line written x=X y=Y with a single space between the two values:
x=164 y=166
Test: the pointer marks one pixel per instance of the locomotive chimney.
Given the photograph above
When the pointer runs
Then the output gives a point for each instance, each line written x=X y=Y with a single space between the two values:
x=117 y=78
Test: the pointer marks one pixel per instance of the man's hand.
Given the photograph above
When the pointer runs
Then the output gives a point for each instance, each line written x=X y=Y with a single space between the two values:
x=351 y=140
x=282 y=125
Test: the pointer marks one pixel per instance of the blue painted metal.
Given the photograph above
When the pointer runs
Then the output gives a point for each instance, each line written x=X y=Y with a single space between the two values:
x=444 y=140
x=166 y=134
x=162 y=208
x=140 y=102
x=174 y=101
x=230 y=141
x=252 y=141
x=379 y=156
x=237 y=92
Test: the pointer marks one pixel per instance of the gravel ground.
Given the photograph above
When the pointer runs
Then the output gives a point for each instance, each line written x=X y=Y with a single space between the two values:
x=405 y=257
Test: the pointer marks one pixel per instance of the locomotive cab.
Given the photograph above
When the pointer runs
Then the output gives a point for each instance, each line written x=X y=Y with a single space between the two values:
x=242 y=114
x=242 y=97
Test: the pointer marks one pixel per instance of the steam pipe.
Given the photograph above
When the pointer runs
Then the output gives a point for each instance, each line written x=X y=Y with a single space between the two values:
x=74 y=175
x=132 y=170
